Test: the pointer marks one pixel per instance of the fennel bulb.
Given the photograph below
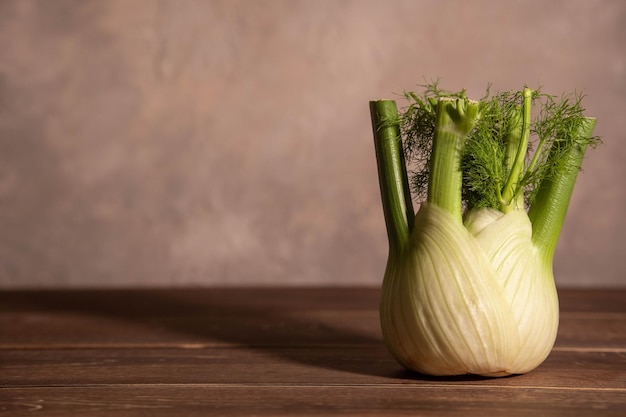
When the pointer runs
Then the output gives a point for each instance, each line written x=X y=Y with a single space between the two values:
x=469 y=285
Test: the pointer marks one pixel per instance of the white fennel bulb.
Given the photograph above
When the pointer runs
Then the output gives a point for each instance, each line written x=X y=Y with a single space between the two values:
x=527 y=280
x=457 y=303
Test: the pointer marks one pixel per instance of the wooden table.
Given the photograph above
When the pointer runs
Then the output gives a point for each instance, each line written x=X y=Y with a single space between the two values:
x=272 y=352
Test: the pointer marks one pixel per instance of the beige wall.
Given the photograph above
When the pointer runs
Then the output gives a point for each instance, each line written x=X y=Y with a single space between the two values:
x=228 y=142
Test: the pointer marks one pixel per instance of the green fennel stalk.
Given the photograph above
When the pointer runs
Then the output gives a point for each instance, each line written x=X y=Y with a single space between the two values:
x=516 y=157
x=547 y=213
x=496 y=146
x=456 y=117
x=396 y=196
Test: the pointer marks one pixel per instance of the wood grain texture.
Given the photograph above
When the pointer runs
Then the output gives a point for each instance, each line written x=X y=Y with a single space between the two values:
x=288 y=400
x=273 y=365
x=280 y=351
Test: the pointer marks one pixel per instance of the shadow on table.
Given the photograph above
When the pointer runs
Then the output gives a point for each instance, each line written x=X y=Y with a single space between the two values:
x=332 y=328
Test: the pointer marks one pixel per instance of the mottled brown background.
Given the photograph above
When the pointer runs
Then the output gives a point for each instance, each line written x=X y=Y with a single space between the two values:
x=228 y=142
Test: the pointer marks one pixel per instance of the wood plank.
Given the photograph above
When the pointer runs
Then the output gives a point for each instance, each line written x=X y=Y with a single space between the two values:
x=592 y=330
x=459 y=400
x=293 y=328
x=221 y=316
x=245 y=317
x=295 y=366
x=320 y=328
x=592 y=300
x=168 y=302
